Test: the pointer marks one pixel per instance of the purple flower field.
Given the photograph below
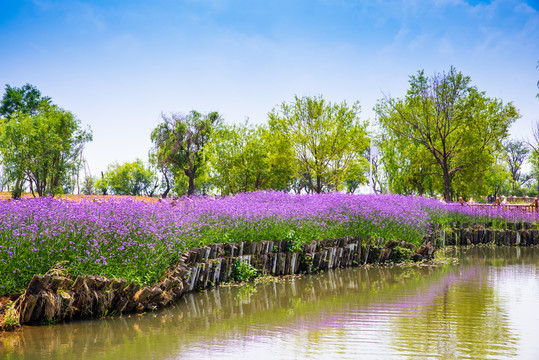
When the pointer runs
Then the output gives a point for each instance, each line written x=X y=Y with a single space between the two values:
x=139 y=240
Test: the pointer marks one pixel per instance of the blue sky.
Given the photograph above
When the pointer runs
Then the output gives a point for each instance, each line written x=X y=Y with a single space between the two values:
x=118 y=64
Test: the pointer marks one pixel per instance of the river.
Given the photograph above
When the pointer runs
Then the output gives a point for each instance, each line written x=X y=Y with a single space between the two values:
x=484 y=307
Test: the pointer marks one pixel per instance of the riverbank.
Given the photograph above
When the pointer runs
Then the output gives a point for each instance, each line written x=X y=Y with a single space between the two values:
x=306 y=316
x=53 y=298
x=117 y=255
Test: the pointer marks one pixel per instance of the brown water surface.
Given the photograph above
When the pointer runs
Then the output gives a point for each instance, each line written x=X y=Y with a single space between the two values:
x=486 y=307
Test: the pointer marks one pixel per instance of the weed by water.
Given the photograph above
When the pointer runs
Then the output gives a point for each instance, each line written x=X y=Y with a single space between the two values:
x=11 y=318
x=244 y=271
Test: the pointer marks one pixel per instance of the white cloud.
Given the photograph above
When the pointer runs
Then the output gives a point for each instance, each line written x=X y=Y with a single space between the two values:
x=523 y=8
x=404 y=31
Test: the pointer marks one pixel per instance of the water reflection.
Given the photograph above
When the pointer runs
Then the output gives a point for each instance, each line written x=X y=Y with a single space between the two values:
x=445 y=313
x=467 y=320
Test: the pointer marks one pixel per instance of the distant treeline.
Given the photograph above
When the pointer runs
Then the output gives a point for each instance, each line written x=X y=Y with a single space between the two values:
x=444 y=138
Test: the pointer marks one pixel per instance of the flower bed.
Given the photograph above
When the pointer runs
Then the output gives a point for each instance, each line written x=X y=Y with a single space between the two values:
x=139 y=240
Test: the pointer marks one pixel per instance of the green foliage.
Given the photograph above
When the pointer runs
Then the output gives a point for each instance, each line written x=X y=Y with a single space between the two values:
x=505 y=177
x=26 y=100
x=11 y=318
x=401 y=254
x=244 y=271
x=355 y=174
x=130 y=178
x=88 y=185
x=534 y=161
x=515 y=154
x=41 y=146
x=247 y=158
x=496 y=179
x=405 y=165
x=101 y=185
x=325 y=139
x=443 y=136
x=180 y=145
x=294 y=244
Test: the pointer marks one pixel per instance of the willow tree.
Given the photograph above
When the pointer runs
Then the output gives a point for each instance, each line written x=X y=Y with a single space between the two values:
x=457 y=128
x=325 y=138
x=179 y=144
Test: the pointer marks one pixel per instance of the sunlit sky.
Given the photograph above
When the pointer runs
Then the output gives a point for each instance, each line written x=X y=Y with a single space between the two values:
x=117 y=65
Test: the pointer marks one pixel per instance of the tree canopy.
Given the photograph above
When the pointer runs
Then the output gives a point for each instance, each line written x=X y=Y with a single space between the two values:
x=40 y=142
x=515 y=154
x=325 y=139
x=179 y=144
x=248 y=158
x=129 y=178
x=446 y=131
x=26 y=100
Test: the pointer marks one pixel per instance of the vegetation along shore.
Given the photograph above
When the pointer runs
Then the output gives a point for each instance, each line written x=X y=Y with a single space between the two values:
x=139 y=241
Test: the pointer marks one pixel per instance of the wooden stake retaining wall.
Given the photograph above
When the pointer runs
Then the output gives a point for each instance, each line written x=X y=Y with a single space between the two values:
x=511 y=234
x=55 y=298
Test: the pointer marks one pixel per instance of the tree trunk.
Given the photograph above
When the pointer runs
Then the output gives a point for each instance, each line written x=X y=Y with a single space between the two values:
x=165 y=193
x=104 y=191
x=318 y=184
x=153 y=189
x=447 y=185
x=16 y=192
x=191 y=189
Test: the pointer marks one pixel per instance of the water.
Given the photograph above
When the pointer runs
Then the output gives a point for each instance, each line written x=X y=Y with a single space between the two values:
x=486 y=307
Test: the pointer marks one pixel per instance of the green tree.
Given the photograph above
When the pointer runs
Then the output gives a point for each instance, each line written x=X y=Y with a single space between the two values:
x=355 y=174
x=26 y=100
x=101 y=184
x=456 y=127
x=325 y=138
x=179 y=143
x=246 y=158
x=88 y=185
x=534 y=156
x=129 y=178
x=406 y=166
x=42 y=148
x=167 y=176
x=379 y=179
x=515 y=154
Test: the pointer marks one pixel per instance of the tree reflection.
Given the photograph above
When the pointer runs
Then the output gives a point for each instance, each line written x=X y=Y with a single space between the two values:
x=467 y=319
